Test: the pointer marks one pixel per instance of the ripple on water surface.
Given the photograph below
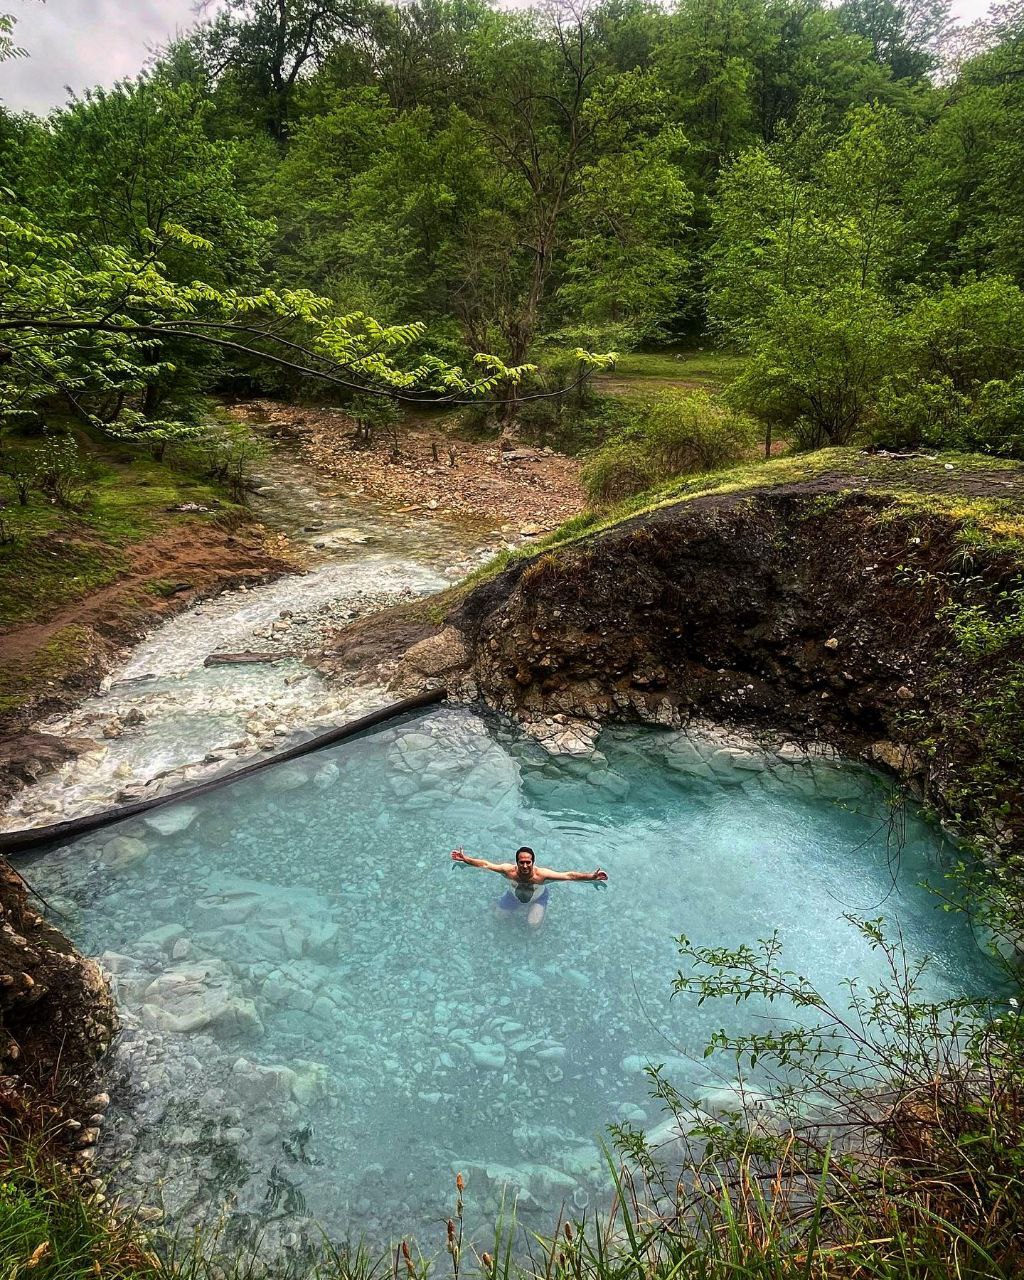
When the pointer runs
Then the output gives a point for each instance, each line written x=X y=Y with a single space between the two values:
x=324 y=1020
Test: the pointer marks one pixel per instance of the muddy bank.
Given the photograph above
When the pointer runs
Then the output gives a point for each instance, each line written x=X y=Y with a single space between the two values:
x=805 y=610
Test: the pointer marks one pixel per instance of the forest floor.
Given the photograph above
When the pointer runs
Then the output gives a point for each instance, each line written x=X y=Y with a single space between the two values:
x=527 y=491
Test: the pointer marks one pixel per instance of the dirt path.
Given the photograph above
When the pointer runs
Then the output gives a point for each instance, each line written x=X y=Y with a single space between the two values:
x=526 y=491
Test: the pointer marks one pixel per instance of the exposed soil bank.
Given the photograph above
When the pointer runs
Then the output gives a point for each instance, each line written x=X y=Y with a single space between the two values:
x=51 y=664
x=806 y=610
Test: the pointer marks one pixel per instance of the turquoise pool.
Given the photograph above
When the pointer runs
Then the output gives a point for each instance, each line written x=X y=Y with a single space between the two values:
x=324 y=1020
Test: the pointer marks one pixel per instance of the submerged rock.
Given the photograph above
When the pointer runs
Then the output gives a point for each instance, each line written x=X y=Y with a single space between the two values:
x=172 y=819
x=489 y=1056
x=123 y=851
x=195 y=997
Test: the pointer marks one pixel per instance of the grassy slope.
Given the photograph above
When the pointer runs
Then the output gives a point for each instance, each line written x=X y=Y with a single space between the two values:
x=58 y=557
x=643 y=371
x=992 y=511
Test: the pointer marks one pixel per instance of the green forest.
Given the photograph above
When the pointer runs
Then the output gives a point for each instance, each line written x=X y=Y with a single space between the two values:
x=451 y=201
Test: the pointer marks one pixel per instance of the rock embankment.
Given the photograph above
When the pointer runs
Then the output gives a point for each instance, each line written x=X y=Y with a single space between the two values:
x=56 y=1018
x=803 y=610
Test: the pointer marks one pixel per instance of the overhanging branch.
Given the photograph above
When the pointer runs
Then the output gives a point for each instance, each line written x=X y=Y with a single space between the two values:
x=180 y=329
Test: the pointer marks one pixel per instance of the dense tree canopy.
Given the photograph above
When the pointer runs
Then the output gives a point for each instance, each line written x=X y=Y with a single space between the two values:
x=599 y=175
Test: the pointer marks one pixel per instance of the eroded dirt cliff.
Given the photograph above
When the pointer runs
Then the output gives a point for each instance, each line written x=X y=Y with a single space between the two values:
x=804 y=609
x=56 y=1018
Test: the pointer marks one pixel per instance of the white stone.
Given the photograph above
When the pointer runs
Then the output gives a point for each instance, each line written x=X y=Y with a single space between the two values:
x=670 y=1138
x=169 y=821
x=733 y=1098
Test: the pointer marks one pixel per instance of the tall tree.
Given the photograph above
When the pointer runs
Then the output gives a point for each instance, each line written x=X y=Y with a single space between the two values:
x=905 y=35
x=269 y=44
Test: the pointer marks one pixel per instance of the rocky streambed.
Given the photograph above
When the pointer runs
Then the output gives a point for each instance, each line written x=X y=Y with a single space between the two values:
x=235 y=676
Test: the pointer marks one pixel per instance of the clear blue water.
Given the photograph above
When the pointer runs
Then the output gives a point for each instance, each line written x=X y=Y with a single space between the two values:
x=324 y=1020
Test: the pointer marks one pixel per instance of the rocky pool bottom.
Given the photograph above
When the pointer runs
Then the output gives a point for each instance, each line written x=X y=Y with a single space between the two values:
x=324 y=1019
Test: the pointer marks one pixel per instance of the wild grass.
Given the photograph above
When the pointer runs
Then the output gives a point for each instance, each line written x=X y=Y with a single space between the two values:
x=713 y=369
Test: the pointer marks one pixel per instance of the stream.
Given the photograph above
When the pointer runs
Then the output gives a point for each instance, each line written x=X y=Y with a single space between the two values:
x=163 y=719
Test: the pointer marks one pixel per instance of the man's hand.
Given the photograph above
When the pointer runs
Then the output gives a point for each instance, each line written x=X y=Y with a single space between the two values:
x=458 y=855
x=600 y=875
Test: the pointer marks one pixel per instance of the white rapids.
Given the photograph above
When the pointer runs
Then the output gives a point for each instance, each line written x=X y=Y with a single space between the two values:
x=162 y=719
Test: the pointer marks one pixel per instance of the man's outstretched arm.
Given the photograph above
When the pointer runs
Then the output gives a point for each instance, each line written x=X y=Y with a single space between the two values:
x=482 y=863
x=545 y=874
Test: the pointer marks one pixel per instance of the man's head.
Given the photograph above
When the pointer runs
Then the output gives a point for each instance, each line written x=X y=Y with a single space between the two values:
x=524 y=860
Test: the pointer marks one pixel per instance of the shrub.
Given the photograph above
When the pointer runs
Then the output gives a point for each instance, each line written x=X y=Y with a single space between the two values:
x=956 y=380
x=817 y=363
x=677 y=434
x=618 y=471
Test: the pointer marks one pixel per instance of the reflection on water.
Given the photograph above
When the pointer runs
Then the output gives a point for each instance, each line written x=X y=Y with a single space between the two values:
x=324 y=1019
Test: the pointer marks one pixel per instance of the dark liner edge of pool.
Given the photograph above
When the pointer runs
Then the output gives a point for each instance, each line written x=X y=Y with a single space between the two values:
x=31 y=837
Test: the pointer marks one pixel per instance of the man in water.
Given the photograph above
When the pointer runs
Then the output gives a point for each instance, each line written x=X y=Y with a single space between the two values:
x=528 y=883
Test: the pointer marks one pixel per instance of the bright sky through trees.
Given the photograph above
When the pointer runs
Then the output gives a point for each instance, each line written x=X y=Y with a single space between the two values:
x=79 y=43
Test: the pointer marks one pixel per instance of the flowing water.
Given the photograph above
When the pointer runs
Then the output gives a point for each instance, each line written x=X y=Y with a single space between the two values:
x=162 y=712
x=325 y=1019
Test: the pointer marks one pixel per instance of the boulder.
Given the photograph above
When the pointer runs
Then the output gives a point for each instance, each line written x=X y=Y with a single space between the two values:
x=670 y=1140
x=286 y=778
x=310 y=1082
x=438 y=655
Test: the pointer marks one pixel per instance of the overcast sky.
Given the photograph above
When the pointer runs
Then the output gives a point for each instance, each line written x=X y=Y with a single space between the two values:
x=78 y=43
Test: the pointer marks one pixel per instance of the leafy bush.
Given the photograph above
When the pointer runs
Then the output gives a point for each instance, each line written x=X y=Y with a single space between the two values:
x=677 y=434
x=618 y=471
x=817 y=364
x=956 y=380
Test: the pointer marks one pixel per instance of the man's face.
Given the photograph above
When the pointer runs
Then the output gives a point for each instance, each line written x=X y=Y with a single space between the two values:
x=524 y=863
